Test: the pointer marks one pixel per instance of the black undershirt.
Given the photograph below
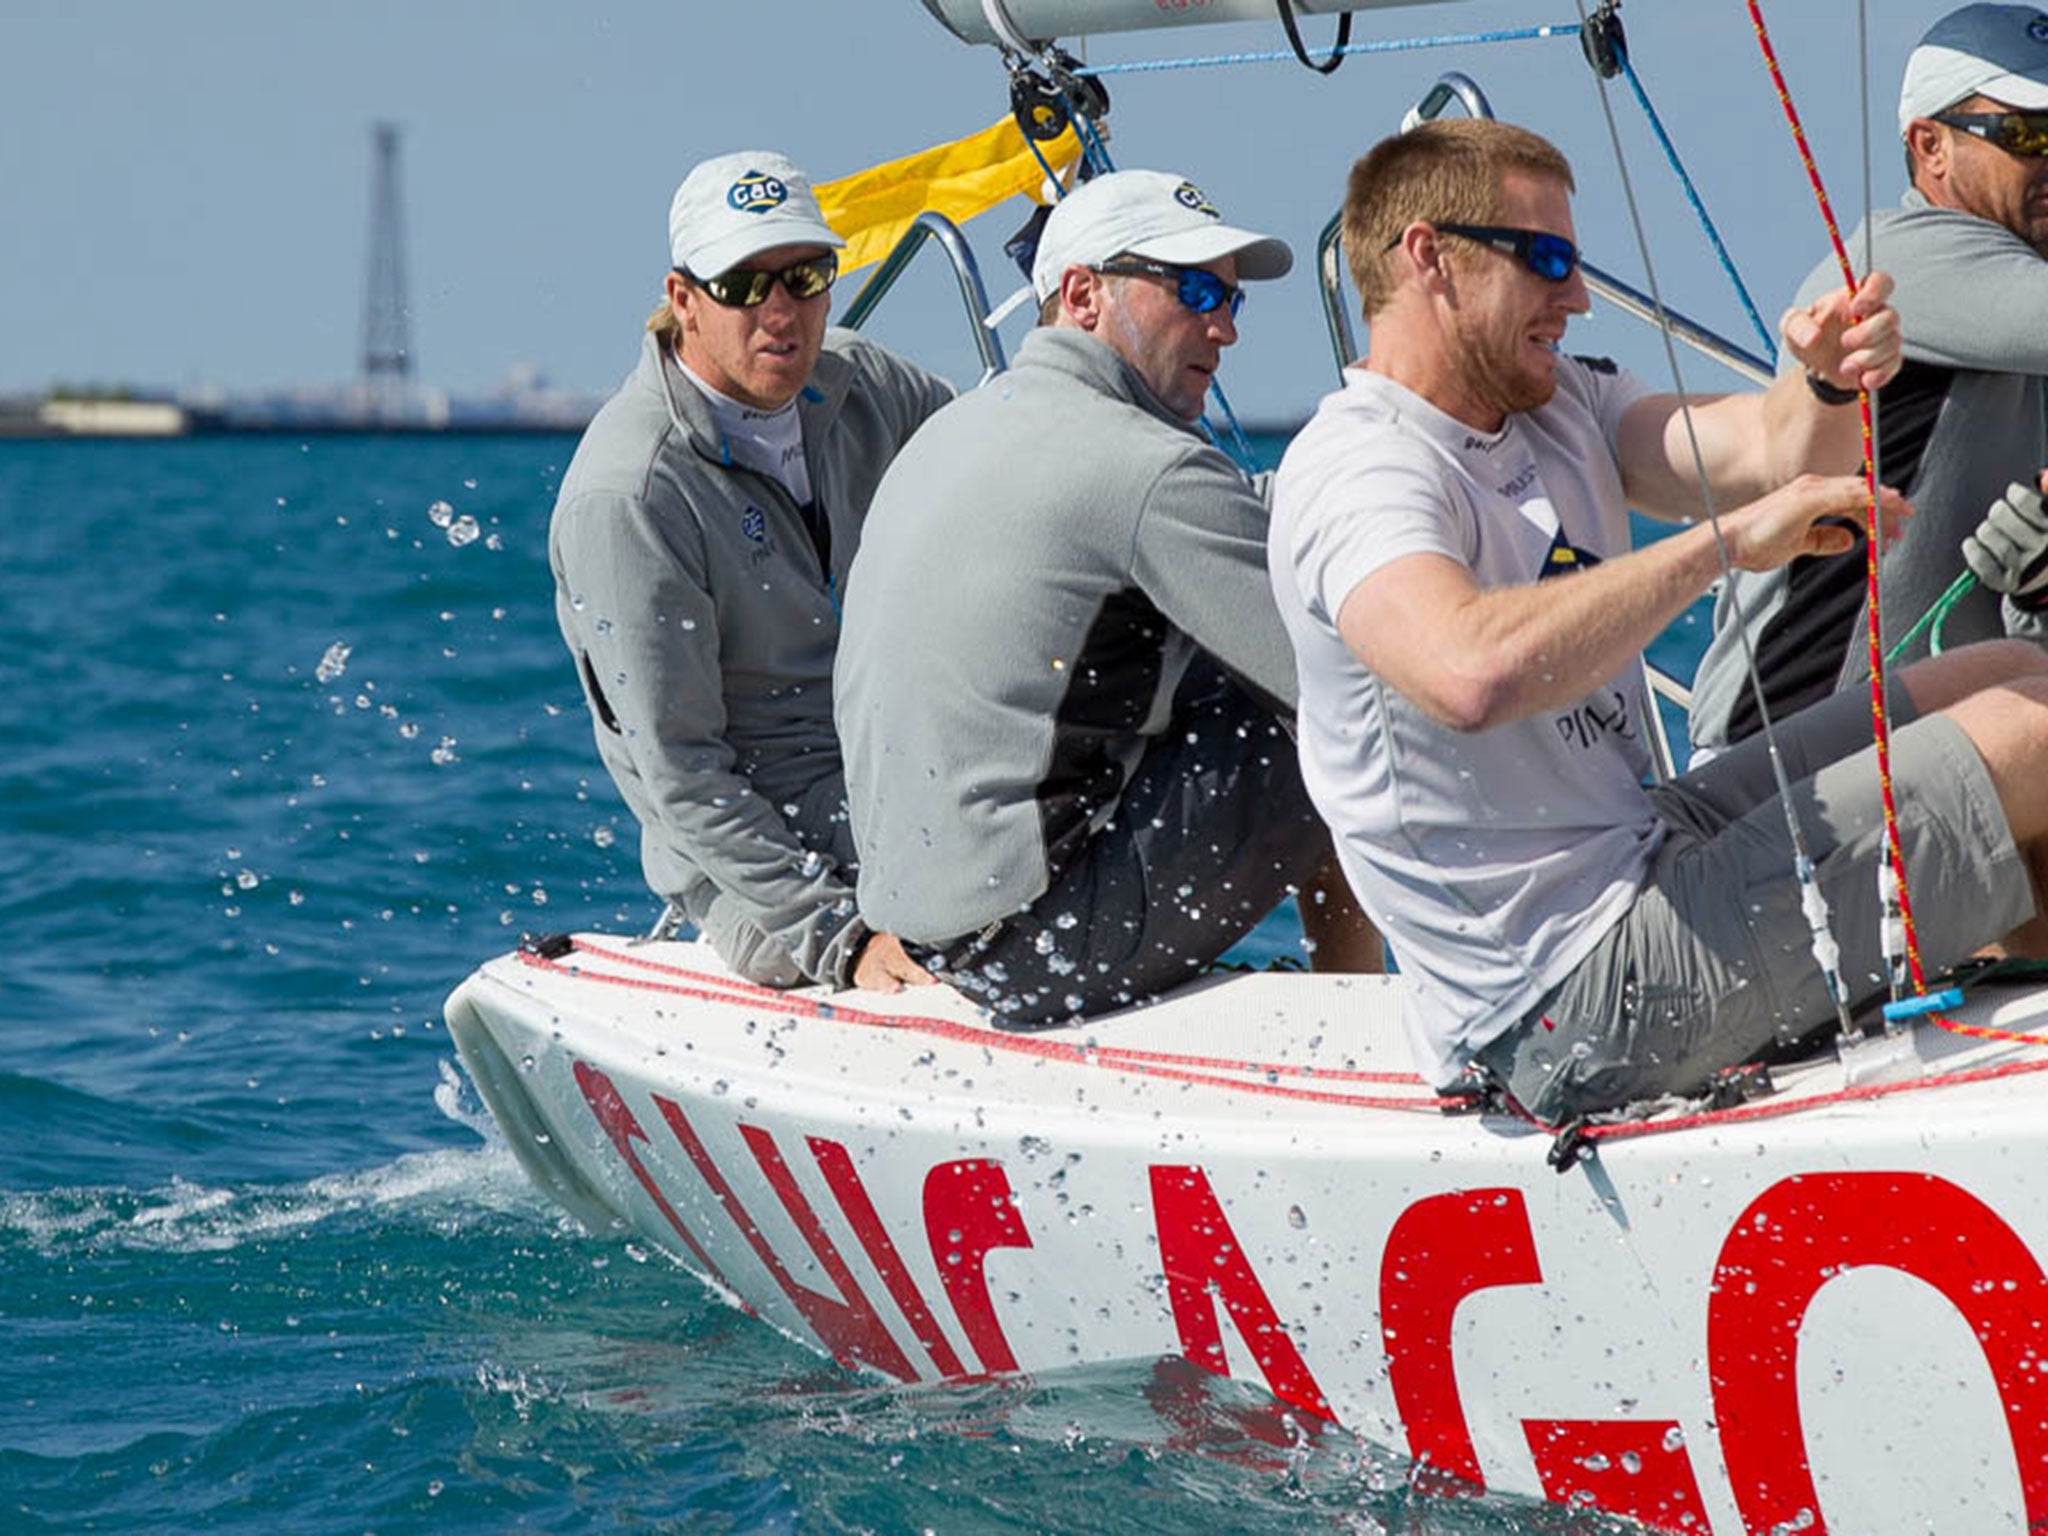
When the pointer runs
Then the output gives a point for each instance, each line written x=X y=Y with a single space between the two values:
x=1801 y=649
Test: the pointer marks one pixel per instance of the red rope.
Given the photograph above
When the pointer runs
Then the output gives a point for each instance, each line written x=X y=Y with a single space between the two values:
x=1879 y=718
x=1139 y=1063
x=734 y=992
x=1768 y=1109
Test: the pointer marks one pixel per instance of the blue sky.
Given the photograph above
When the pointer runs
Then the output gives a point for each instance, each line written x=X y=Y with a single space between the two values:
x=186 y=187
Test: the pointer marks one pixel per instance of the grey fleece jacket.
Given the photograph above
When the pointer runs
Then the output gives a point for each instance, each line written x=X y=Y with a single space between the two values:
x=1966 y=415
x=1040 y=566
x=703 y=626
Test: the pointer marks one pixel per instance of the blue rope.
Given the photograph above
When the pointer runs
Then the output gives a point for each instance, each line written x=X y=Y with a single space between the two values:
x=1051 y=176
x=1699 y=208
x=1282 y=55
x=1240 y=446
x=1091 y=141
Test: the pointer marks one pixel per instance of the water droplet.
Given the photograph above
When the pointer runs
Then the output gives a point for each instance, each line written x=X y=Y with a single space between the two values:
x=440 y=514
x=334 y=662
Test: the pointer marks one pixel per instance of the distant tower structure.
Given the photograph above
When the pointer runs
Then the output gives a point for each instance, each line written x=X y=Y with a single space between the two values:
x=387 y=339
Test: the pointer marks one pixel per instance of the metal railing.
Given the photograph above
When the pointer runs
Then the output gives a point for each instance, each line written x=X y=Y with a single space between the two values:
x=1660 y=684
x=926 y=228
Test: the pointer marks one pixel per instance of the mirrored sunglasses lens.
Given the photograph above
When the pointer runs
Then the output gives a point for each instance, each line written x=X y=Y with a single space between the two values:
x=1200 y=291
x=1552 y=257
x=1205 y=291
x=807 y=279
x=739 y=290
x=2024 y=134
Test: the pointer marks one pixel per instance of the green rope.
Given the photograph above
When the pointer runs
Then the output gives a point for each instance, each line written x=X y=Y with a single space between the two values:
x=1934 y=617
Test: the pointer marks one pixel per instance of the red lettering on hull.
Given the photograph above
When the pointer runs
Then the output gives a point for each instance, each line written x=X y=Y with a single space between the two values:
x=1441 y=1250
x=1204 y=1263
x=623 y=1129
x=1639 y=1469
x=866 y=1222
x=970 y=1209
x=847 y=1324
x=1791 y=1241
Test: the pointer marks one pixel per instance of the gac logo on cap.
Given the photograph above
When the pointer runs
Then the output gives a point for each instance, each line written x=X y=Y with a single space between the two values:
x=1188 y=195
x=2037 y=29
x=756 y=192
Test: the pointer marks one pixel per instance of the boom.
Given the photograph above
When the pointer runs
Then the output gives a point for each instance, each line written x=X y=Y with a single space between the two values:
x=982 y=21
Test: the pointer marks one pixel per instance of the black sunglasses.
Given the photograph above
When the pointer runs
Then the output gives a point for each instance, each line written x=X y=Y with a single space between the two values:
x=1551 y=257
x=743 y=288
x=1196 y=287
x=2017 y=133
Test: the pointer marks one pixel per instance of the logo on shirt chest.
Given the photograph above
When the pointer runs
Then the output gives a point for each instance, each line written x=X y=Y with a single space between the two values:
x=754 y=524
x=1564 y=557
x=1560 y=556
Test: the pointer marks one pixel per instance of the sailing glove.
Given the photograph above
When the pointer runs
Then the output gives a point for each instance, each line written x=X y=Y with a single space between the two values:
x=2009 y=550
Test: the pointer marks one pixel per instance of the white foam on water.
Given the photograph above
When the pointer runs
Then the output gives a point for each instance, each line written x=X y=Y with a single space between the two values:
x=450 y=1183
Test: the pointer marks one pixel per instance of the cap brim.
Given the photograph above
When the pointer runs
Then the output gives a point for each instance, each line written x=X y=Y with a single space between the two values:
x=1258 y=256
x=727 y=252
x=2027 y=93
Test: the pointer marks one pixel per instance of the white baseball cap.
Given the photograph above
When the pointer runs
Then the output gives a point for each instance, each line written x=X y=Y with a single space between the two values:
x=735 y=206
x=1151 y=214
x=2000 y=51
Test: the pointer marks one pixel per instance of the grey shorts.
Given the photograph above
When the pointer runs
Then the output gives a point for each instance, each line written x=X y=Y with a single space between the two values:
x=1713 y=964
x=1214 y=830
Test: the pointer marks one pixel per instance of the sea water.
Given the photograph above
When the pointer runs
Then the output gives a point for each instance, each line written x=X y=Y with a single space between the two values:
x=288 y=744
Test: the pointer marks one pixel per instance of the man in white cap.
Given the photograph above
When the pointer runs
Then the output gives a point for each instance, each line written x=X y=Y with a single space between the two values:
x=1961 y=429
x=1062 y=669
x=700 y=543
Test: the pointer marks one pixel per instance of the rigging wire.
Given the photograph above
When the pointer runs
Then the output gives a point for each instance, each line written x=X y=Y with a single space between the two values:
x=1879 y=710
x=1344 y=50
x=1608 y=35
x=1692 y=196
x=1813 y=904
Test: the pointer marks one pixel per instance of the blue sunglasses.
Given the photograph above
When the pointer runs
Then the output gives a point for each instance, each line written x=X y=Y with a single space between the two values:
x=1551 y=257
x=1197 y=288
